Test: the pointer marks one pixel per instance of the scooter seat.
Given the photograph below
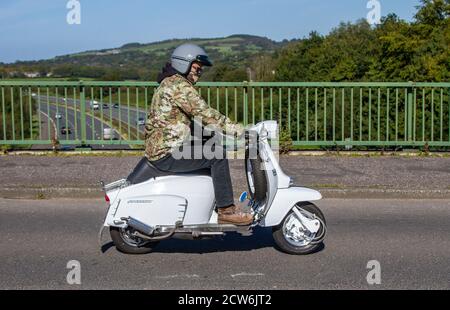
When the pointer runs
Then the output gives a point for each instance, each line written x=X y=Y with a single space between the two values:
x=144 y=171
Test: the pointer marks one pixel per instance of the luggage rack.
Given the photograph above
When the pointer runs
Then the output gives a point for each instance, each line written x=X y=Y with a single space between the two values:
x=114 y=185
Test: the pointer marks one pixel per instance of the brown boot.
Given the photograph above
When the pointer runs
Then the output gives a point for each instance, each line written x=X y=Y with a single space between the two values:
x=234 y=215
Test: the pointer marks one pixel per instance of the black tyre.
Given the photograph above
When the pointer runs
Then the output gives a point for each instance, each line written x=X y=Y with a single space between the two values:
x=256 y=179
x=302 y=247
x=127 y=243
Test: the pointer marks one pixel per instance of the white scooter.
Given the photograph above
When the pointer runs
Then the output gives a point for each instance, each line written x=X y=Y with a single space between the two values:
x=152 y=205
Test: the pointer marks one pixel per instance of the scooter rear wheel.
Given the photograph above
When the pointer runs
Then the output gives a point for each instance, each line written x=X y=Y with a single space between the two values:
x=127 y=243
x=298 y=246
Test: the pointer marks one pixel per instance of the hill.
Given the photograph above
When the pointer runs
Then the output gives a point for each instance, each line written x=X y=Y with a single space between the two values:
x=144 y=61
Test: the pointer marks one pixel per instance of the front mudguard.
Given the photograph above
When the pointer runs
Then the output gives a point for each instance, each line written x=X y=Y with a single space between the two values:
x=285 y=199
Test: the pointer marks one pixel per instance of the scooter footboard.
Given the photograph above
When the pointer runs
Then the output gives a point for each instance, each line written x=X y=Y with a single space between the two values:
x=283 y=202
x=152 y=210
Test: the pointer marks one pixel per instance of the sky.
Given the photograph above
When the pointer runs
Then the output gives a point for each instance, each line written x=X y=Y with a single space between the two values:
x=38 y=29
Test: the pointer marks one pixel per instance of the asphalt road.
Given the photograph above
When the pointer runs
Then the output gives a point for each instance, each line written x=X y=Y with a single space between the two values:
x=410 y=239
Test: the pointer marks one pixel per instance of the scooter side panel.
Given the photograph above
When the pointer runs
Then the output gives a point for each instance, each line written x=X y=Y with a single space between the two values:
x=284 y=200
x=153 y=210
x=197 y=190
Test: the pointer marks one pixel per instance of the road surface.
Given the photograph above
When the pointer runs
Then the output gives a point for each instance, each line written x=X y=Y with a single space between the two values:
x=410 y=239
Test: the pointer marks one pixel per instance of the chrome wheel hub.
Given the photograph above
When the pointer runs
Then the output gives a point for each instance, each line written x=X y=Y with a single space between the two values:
x=295 y=233
x=129 y=237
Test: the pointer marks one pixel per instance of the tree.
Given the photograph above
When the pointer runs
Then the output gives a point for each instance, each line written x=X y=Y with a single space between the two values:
x=264 y=68
x=294 y=61
x=433 y=12
x=343 y=55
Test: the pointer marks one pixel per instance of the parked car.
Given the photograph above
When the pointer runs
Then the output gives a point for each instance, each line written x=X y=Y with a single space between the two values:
x=109 y=134
x=58 y=115
x=66 y=130
x=141 y=121
x=105 y=106
x=116 y=105
x=95 y=105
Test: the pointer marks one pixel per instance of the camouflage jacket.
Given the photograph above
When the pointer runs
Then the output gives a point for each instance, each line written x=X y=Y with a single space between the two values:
x=174 y=105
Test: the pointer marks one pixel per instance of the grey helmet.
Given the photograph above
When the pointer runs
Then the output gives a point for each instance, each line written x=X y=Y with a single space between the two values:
x=184 y=55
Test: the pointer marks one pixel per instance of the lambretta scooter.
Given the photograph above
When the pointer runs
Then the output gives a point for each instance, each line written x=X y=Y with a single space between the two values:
x=151 y=205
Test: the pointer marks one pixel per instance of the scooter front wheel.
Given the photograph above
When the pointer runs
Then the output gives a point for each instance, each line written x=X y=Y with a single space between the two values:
x=126 y=242
x=292 y=239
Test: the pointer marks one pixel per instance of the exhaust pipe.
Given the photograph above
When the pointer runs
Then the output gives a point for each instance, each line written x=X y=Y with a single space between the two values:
x=139 y=226
x=145 y=231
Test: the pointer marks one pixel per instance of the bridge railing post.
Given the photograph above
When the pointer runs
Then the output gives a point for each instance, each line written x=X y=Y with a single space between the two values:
x=83 y=114
x=245 y=102
x=410 y=113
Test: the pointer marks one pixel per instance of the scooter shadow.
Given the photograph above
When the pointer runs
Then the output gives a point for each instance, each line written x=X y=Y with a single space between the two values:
x=231 y=242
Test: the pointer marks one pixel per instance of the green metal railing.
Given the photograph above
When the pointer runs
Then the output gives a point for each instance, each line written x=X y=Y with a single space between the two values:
x=313 y=114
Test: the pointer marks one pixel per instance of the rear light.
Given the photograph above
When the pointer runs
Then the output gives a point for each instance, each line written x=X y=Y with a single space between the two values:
x=106 y=198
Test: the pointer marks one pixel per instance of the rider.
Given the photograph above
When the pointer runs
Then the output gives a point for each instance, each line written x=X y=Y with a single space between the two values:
x=174 y=106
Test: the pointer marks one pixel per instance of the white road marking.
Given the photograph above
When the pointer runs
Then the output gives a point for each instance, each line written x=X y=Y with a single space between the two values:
x=179 y=276
x=245 y=274
x=53 y=122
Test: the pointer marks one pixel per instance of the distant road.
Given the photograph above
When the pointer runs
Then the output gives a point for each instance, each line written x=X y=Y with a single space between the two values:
x=94 y=126
x=120 y=113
